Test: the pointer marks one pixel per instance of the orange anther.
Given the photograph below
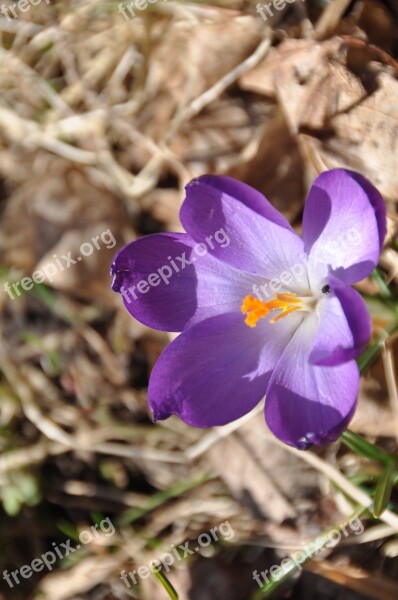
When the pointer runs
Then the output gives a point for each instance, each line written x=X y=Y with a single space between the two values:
x=255 y=309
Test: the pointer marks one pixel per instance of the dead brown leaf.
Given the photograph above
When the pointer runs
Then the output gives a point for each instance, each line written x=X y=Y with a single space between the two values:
x=339 y=99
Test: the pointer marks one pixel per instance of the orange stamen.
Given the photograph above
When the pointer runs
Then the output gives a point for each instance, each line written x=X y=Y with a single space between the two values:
x=255 y=309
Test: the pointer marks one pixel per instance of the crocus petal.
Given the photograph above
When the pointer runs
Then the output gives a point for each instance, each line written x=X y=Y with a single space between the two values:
x=345 y=326
x=247 y=195
x=344 y=225
x=256 y=242
x=305 y=403
x=202 y=287
x=218 y=370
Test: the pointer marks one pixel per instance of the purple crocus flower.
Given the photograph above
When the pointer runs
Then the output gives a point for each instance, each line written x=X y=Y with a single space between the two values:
x=261 y=310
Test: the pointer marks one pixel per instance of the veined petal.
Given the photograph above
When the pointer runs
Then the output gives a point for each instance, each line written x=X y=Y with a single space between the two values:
x=178 y=286
x=262 y=243
x=218 y=370
x=309 y=404
x=344 y=225
x=247 y=195
x=345 y=326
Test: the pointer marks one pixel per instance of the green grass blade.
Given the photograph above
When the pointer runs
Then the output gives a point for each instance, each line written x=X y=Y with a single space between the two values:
x=384 y=489
x=360 y=446
x=166 y=584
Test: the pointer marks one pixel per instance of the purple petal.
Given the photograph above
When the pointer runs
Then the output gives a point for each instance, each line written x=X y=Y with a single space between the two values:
x=344 y=225
x=305 y=403
x=218 y=370
x=257 y=242
x=199 y=290
x=345 y=326
x=247 y=195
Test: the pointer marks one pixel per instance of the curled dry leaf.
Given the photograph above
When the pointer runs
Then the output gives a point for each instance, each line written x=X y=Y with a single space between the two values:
x=339 y=99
